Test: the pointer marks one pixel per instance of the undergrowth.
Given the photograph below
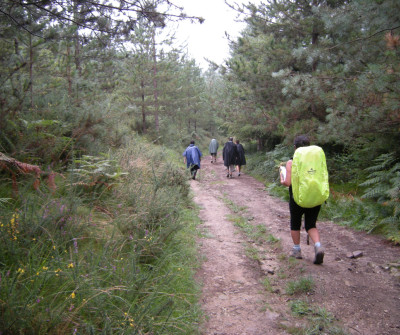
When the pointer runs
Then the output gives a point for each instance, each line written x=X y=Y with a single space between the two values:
x=368 y=202
x=104 y=253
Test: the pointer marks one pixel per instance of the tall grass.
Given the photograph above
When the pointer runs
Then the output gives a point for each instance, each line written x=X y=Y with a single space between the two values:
x=121 y=262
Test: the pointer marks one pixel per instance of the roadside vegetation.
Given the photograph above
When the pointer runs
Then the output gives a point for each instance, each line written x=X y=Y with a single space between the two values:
x=110 y=250
x=364 y=199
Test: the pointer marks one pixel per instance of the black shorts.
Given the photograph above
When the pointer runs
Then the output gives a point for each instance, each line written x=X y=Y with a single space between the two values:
x=296 y=213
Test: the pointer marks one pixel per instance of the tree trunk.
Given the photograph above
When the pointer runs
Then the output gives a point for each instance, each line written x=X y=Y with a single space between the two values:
x=69 y=79
x=31 y=69
x=314 y=42
x=157 y=124
x=143 y=108
x=260 y=144
x=77 y=55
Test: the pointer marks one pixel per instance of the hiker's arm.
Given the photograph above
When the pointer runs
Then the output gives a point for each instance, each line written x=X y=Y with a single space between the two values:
x=288 y=179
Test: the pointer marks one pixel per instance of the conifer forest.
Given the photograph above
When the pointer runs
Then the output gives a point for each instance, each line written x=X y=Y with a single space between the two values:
x=97 y=104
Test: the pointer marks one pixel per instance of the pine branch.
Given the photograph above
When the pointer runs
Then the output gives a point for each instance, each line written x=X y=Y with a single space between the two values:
x=362 y=38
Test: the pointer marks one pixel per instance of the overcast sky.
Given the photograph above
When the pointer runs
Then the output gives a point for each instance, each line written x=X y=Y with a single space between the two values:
x=208 y=40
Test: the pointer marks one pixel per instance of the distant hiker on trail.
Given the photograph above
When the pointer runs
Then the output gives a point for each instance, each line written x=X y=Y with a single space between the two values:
x=230 y=153
x=241 y=159
x=213 y=148
x=296 y=211
x=192 y=158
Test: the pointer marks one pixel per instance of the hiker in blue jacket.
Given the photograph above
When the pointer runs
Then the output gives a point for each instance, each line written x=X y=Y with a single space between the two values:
x=192 y=158
x=296 y=212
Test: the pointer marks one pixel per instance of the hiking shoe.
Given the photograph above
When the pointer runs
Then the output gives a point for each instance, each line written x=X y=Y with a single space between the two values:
x=319 y=255
x=296 y=253
x=239 y=174
x=227 y=176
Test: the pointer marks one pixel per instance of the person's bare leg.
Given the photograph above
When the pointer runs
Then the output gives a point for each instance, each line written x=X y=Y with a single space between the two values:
x=295 y=236
x=314 y=234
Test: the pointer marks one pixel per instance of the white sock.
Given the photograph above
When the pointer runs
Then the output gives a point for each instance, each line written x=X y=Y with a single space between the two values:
x=297 y=247
x=318 y=244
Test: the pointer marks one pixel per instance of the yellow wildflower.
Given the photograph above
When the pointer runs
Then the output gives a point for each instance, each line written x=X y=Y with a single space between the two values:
x=70 y=265
x=45 y=268
x=73 y=295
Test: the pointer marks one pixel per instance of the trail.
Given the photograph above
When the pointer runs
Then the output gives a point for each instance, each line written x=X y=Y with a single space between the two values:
x=362 y=293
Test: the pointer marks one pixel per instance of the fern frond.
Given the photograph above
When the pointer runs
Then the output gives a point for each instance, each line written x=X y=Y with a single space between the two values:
x=4 y=201
x=374 y=180
x=376 y=192
x=383 y=162
x=392 y=220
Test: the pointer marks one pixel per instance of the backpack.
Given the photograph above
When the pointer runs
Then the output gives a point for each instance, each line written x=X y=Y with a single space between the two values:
x=310 y=184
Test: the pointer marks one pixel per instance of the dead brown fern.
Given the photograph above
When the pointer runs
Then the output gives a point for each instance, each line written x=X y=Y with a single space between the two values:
x=15 y=167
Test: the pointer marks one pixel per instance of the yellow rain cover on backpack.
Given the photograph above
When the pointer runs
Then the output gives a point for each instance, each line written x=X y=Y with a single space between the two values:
x=310 y=182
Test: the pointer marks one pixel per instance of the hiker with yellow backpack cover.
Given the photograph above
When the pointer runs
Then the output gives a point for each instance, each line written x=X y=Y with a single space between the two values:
x=306 y=175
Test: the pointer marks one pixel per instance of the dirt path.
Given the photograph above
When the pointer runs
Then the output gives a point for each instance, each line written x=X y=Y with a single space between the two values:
x=362 y=293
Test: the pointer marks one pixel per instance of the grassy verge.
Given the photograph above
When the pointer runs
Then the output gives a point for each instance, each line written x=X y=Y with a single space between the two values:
x=105 y=253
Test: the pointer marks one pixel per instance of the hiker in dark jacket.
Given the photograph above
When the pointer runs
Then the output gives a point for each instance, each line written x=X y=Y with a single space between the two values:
x=241 y=159
x=229 y=154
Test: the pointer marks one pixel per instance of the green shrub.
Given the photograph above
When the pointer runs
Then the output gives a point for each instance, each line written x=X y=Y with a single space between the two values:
x=372 y=205
x=118 y=260
x=382 y=185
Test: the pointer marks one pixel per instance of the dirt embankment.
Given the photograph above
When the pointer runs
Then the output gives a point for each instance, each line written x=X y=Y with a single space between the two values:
x=363 y=294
